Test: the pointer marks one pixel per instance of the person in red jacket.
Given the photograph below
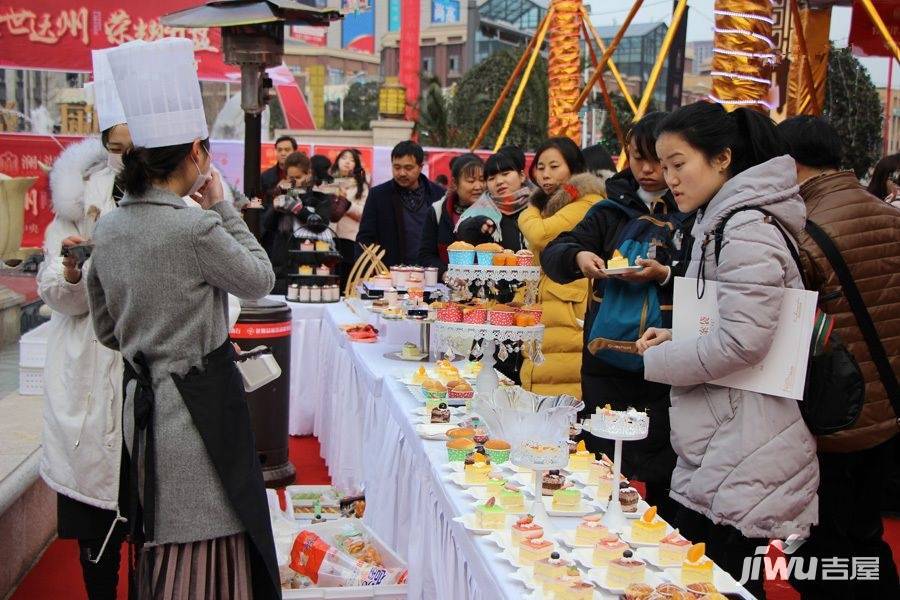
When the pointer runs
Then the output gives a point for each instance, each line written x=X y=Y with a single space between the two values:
x=852 y=462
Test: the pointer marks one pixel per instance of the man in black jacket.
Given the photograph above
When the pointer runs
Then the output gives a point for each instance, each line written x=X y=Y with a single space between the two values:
x=395 y=211
x=272 y=176
x=584 y=251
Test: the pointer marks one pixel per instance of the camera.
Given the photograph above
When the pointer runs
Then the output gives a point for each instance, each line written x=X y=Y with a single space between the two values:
x=81 y=252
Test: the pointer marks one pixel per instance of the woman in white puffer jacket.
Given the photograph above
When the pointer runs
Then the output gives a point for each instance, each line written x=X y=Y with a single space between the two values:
x=82 y=440
x=746 y=470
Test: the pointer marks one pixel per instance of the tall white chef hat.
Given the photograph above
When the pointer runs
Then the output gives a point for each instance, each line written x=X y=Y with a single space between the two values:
x=103 y=92
x=158 y=86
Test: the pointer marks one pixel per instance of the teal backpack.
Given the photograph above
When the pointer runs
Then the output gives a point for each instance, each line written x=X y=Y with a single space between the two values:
x=627 y=309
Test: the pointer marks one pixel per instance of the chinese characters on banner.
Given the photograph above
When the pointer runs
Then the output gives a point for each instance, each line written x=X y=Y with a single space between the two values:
x=59 y=34
x=410 y=57
x=865 y=39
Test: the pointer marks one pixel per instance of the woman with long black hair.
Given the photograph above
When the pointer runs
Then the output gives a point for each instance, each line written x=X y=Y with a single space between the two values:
x=350 y=175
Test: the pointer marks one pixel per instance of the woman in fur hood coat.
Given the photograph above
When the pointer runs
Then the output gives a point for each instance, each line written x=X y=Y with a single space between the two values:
x=565 y=193
x=82 y=438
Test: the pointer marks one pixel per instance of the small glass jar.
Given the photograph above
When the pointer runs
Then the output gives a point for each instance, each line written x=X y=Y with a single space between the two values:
x=293 y=292
x=304 y=293
x=331 y=293
x=315 y=293
x=431 y=276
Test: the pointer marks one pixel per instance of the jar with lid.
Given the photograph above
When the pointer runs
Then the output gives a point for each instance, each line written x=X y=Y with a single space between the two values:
x=315 y=293
x=304 y=293
x=293 y=292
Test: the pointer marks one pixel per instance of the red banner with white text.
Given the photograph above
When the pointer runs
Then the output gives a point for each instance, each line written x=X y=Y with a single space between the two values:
x=410 y=55
x=58 y=35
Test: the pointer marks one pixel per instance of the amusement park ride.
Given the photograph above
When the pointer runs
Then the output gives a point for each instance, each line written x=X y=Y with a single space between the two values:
x=746 y=56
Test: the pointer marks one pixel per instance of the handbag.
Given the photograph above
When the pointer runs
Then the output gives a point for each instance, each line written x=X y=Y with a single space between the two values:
x=863 y=319
x=835 y=390
x=339 y=207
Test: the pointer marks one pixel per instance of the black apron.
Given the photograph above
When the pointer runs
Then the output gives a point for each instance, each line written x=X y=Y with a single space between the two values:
x=215 y=399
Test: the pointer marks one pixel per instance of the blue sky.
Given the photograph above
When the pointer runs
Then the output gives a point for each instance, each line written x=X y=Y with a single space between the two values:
x=700 y=22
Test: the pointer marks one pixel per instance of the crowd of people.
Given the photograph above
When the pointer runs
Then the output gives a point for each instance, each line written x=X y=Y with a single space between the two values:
x=724 y=197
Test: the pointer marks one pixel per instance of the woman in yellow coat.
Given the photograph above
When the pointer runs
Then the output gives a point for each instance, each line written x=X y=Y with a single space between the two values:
x=565 y=193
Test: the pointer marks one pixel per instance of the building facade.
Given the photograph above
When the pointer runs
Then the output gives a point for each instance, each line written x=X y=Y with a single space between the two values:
x=892 y=126
x=636 y=53
x=458 y=34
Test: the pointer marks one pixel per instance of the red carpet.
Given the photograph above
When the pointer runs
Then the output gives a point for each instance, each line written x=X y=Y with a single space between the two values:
x=58 y=574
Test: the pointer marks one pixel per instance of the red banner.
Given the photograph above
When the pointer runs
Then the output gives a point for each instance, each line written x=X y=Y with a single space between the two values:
x=59 y=34
x=23 y=155
x=865 y=39
x=410 y=56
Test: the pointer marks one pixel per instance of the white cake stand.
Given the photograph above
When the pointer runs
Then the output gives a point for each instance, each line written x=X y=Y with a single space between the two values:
x=539 y=509
x=614 y=518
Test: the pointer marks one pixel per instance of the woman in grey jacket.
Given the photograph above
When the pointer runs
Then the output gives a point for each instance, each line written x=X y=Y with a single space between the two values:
x=746 y=470
x=158 y=289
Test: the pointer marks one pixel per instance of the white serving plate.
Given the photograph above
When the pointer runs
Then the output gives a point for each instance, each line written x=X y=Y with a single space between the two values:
x=567 y=537
x=434 y=431
x=621 y=270
x=626 y=537
x=587 y=508
x=598 y=576
x=723 y=581
x=650 y=555
x=468 y=521
x=458 y=478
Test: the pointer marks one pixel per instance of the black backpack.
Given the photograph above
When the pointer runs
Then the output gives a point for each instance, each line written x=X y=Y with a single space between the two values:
x=835 y=390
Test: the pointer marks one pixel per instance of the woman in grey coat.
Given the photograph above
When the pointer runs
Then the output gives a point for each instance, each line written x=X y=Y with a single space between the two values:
x=158 y=287
x=746 y=470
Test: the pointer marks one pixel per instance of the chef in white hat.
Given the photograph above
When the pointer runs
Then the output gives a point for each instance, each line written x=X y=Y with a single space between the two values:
x=82 y=438
x=157 y=290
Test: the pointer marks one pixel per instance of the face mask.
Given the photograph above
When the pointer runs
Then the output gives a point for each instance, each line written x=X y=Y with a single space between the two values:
x=114 y=162
x=201 y=179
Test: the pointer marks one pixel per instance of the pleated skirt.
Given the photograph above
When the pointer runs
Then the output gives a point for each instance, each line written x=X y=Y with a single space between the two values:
x=216 y=569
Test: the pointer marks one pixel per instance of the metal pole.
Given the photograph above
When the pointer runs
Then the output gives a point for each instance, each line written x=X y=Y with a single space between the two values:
x=607 y=54
x=887 y=106
x=586 y=20
x=675 y=78
x=607 y=100
x=252 y=141
x=657 y=68
x=508 y=87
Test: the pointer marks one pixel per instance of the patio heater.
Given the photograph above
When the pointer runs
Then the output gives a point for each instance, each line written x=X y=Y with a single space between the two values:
x=252 y=39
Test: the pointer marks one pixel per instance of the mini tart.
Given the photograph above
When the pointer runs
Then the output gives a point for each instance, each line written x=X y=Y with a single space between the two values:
x=462 y=432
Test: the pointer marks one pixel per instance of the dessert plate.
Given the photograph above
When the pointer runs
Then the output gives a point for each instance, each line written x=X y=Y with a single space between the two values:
x=508 y=466
x=399 y=356
x=620 y=270
x=628 y=539
x=433 y=431
x=459 y=479
x=587 y=508
x=480 y=493
x=723 y=581
x=598 y=576
x=525 y=576
x=642 y=506
x=650 y=555
x=510 y=556
x=468 y=521
x=567 y=537
x=421 y=411
x=501 y=538
x=598 y=595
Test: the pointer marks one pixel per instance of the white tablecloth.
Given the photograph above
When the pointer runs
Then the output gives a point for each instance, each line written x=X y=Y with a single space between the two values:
x=364 y=424
x=305 y=370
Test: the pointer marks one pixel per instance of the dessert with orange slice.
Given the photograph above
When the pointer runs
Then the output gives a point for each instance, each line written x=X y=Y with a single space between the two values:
x=477 y=468
x=696 y=568
x=649 y=529
x=673 y=549
x=581 y=459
